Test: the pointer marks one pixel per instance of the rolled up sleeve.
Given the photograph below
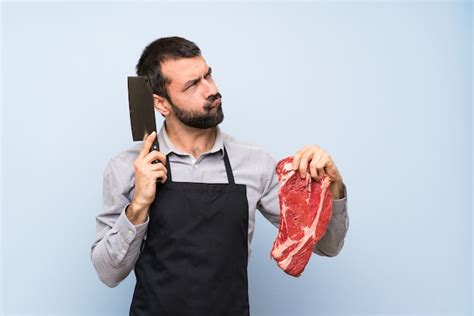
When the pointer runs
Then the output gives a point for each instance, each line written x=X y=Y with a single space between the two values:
x=118 y=242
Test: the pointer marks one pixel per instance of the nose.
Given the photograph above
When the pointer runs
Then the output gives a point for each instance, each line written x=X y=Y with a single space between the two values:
x=210 y=88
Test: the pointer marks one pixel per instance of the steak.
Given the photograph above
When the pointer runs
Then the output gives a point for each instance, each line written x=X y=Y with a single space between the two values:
x=305 y=213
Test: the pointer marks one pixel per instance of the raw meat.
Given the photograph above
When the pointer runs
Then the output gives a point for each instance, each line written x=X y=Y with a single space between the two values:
x=305 y=213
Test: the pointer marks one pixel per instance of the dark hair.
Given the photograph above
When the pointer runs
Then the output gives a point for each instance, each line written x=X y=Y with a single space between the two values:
x=159 y=51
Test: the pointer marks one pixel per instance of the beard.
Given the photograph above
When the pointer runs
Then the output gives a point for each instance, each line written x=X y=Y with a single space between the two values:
x=211 y=117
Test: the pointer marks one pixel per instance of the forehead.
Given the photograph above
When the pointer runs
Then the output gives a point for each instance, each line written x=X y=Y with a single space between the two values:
x=181 y=70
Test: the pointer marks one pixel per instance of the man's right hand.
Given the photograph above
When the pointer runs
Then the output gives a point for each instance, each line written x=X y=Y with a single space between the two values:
x=147 y=174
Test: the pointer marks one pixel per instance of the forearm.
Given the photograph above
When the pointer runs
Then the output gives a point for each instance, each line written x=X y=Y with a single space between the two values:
x=115 y=255
x=331 y=243
x=337 y=189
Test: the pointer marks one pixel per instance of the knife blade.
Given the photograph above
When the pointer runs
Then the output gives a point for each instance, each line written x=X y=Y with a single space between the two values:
x=142 y=110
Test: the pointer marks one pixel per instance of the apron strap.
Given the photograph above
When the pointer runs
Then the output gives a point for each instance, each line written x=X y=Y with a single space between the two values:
x=228 y=168
x=168 y=168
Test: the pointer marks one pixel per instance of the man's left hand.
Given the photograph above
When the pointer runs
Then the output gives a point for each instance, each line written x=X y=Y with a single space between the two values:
x=317 y=162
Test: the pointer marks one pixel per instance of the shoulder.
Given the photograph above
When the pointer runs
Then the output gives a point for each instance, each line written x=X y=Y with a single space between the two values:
x=250 y=154
x=123 y=160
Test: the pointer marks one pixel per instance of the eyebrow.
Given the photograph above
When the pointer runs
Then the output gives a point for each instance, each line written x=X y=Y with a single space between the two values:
x=193 y=81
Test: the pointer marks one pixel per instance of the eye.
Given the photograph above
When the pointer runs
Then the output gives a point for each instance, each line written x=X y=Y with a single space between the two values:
x=192 y=85
x=208 y=75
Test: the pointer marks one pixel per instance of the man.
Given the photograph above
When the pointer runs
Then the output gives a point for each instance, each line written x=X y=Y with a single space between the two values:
x=185 y=224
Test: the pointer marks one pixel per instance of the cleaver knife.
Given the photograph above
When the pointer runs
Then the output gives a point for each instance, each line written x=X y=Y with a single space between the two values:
x=142 y=111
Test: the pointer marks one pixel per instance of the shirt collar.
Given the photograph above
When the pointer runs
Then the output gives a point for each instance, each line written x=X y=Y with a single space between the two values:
x=166 y=146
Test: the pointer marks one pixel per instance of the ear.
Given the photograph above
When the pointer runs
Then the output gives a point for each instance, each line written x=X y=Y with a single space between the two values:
x=161 y=105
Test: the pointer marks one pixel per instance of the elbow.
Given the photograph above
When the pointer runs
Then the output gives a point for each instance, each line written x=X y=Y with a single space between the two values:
x=333 y=254
x=337 y=252
x=328 y=252
x=109 y=283
x=325 y=253
x=109 y=279
x=105 y=272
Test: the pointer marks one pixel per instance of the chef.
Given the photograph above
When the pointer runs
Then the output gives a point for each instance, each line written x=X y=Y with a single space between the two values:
x=185 y=224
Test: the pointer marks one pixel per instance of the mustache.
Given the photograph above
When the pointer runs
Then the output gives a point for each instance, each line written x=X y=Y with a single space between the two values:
x=212 y=98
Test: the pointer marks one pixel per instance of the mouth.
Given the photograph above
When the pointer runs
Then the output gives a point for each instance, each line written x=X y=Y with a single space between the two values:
x=216 y=102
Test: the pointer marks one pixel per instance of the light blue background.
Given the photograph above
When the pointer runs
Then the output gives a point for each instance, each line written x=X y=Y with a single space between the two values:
x=384 y=87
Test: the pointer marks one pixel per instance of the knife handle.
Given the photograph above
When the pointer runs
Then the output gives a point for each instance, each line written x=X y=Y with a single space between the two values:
x=155 y=146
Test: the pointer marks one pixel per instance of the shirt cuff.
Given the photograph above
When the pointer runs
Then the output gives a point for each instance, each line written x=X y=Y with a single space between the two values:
x=128 y=230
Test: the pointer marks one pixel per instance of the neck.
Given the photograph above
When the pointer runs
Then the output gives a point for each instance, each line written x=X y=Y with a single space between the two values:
x=193 y=141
